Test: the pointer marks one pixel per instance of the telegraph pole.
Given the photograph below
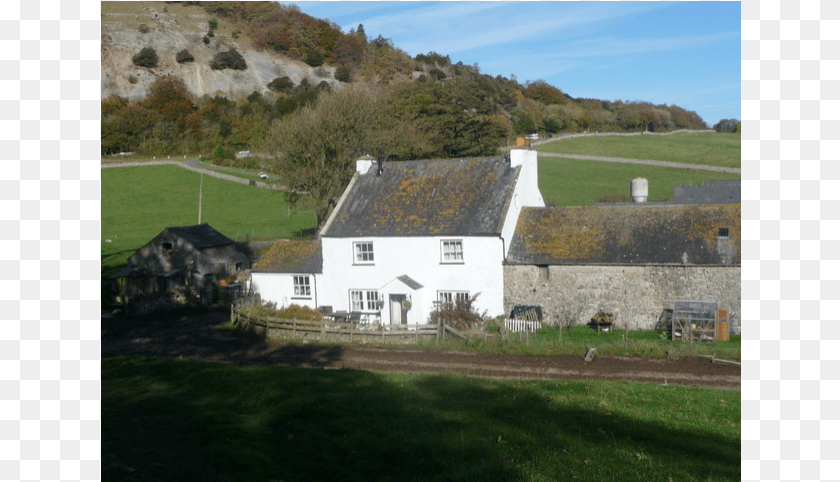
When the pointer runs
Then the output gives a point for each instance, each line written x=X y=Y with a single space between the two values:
x=200 y=186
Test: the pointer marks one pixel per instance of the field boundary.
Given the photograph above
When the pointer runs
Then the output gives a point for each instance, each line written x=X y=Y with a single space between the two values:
x=624 y=160
x=209 y=172
x=331 y=331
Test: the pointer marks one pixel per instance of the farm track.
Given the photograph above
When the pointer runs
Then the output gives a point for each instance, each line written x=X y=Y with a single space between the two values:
x=201 y=338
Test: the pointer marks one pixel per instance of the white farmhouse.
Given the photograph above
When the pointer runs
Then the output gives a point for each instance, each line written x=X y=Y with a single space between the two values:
x=406 y=236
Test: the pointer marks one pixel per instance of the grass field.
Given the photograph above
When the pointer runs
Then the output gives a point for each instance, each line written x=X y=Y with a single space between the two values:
x=139 y=202
x=711 y=149
x=179 y=420
x=573 y=182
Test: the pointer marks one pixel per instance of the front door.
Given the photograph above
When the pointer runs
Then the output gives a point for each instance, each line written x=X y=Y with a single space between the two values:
x=398 y=313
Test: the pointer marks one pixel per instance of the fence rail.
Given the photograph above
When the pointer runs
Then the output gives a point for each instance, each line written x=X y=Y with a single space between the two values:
x=326 y=330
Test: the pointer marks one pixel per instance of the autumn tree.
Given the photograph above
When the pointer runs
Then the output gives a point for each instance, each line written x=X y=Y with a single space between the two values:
x=316 y=148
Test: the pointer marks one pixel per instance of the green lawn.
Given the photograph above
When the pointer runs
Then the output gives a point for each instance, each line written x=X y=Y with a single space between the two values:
x=712 y=149
x=139 y=202
x=573 y=182
x=178 y=420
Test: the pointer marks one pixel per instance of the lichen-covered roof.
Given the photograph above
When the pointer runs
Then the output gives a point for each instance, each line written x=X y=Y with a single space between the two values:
x=660 y=234
x=292 y=256
x=427 y=198
x=201 y=236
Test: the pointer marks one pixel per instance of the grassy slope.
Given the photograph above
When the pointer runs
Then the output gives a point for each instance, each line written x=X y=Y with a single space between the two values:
x=139 y=202
x=712 y=149
x=168 y=420
x=572 y=182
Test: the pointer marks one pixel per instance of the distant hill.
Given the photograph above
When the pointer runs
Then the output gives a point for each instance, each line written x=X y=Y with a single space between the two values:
x=172 y=27
x=186 y=77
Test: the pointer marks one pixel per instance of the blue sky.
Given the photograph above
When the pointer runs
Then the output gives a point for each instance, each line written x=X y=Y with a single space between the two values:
x=683 y=53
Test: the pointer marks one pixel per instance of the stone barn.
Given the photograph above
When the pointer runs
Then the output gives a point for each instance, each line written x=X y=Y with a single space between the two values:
x=632 y=260
x=179 y=262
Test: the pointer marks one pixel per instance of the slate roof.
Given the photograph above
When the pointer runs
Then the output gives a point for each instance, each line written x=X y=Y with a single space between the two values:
x=201 y=236
x=710 y=192
x=292 y=256
x=641 y=234
x=410 y=282
x=427 y=198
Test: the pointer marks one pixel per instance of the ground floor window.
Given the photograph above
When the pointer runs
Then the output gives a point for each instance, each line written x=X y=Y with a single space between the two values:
x=302 y=287
x=364 y=300
x=452 y=297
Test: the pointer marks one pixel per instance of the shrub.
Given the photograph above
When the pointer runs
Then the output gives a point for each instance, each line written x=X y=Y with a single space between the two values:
x=342 y=74
x=184 y=56
x=231 y=59
x=437 y=74
x=459 y=314
x=280 y=84
x=206 y=40
x=313 y=57
x=147 y=57
x=143 y=28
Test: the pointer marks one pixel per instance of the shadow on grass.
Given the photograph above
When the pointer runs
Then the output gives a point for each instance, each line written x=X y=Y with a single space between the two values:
x=165 y=420
x=195 y=333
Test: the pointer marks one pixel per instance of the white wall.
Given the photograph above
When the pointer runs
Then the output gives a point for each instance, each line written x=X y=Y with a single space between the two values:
x=419 y=258
x=279 y=288
x=526 y=193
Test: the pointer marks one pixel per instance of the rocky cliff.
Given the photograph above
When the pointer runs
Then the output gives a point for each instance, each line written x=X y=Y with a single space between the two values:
x=169 y=28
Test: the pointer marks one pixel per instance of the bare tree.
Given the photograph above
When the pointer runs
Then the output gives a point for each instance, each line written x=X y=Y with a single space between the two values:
x=316 y=148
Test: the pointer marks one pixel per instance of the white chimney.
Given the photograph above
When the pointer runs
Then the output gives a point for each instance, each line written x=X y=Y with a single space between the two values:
x=528 y=180
x=363 y=164
x=639 y=190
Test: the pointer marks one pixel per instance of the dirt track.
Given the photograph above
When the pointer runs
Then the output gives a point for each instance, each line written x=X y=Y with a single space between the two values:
x=200 y=338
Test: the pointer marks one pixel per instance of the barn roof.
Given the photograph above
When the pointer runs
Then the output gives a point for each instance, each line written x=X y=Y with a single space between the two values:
x=640 y=234
x=727 y=191
x=292 y=256
x=201 y=236
x=426 y=198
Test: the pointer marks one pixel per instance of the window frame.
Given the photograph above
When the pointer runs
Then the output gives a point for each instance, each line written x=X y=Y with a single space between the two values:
x=359 y=253
x=365 y=302
x=456 y=255
x=307 y=285
x=453 y=296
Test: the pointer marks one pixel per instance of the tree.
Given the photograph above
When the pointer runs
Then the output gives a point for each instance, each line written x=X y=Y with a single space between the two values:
x=169 y=97
x=316 y=148
x=231 y=59
x=728 y=125
x=184 y=56
x=147 y=57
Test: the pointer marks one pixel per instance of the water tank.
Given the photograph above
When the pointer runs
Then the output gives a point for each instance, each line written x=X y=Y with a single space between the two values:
x=639 y=189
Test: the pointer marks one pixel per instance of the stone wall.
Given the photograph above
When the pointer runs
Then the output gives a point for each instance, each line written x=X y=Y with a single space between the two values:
x=636 y=294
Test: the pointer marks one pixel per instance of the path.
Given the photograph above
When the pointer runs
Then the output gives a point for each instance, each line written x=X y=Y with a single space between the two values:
x=202 y=338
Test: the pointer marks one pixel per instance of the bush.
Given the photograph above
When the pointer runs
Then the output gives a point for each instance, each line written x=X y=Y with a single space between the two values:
x=184 y=56
x=437 y=74
x=143 y=28
x=313 y=58
x=231 y=59
x=206 y=40
x=146 y=58
x=280 y=84
x=342 y=74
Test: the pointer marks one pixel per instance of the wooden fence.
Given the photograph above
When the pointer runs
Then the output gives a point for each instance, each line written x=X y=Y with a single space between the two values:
x=332 y=331
x=515 y=325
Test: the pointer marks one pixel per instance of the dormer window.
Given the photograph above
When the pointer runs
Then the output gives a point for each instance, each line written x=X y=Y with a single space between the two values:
x=723 y=232
x=167 y=249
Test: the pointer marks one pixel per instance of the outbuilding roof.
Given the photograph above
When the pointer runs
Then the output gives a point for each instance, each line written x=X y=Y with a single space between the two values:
x=201 y=236
x=426 y=198
x=292 y=256
x=641 y=234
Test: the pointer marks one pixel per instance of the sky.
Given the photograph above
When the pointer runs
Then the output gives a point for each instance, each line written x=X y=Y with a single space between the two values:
x=682 y=53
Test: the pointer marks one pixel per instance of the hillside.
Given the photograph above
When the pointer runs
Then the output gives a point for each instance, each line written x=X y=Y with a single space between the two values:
x=170 y=27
